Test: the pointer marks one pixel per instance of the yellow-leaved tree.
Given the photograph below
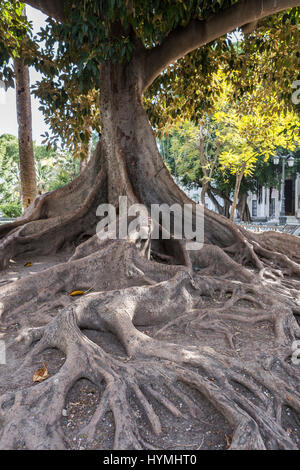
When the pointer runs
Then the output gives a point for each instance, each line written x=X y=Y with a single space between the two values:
x=252 y=128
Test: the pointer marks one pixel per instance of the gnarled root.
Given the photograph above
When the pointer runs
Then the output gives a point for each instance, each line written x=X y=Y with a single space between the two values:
x=212 y=328
x=249 y=386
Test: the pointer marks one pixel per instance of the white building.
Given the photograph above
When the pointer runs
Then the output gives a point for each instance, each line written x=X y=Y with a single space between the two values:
x=195 y=195
x=267 y=204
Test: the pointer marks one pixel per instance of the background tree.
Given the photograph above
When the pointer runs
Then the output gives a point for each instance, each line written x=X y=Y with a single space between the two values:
x=13 y=39
x=246 y=129
x=54 y=169
x=10 y=190
x=13 y=29
x=26 y=156
x=249 y=128
x=180 y=151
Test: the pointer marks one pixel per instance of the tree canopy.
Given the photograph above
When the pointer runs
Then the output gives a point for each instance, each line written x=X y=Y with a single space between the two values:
x=82 y=35
x=13 y=30
x=268 y=56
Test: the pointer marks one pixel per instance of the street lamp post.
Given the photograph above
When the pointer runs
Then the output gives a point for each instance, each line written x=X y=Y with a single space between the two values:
x=290 y=160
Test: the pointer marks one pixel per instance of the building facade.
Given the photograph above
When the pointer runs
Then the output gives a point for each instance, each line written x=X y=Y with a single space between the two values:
x=266 y=205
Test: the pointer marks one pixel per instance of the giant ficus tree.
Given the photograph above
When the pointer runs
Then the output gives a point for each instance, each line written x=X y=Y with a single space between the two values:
x=145 y=290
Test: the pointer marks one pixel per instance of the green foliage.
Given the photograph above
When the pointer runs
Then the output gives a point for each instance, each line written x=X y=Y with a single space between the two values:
x=53 y=170
x=93 y=33
x=246 y=132
x=111 y=29
x=11 y=209
x=185 y=90
x=13 y=29
x=268 y=57
x=252 y=127
x=180 y=151
x=9 y=169
x=71 y=120
x=71 y=116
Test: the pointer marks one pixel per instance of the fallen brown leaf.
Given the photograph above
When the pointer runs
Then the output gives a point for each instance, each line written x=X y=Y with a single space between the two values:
x=76 y=292
x=81 y=292
x=41 y=374
x=228 y=441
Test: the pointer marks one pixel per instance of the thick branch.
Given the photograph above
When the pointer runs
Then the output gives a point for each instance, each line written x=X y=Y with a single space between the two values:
x=222 y=195
x=181 y=41
x=214 y=201
x=54 y=8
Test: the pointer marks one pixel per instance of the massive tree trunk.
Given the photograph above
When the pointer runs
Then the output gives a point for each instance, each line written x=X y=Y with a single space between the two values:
x=188 y=330
x=26 y=155
x=171 y=290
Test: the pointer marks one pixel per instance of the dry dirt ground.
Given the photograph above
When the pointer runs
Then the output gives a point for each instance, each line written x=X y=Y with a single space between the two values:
x=208 y=431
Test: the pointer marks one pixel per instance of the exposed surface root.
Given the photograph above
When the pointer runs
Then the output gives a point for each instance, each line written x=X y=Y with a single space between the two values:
x=181 y=350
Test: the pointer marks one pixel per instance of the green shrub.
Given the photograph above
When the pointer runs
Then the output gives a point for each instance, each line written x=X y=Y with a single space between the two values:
x=11 y=209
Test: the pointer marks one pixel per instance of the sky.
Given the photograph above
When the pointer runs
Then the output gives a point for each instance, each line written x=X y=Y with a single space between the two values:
x=8 y=113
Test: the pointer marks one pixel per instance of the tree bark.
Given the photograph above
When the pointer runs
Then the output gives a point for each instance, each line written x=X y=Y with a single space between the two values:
x=225 y=210
x=140 y=295
x=238 y=180
x=204 y=190
x=243 y=208
x=26 y=155
x=220 y=209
